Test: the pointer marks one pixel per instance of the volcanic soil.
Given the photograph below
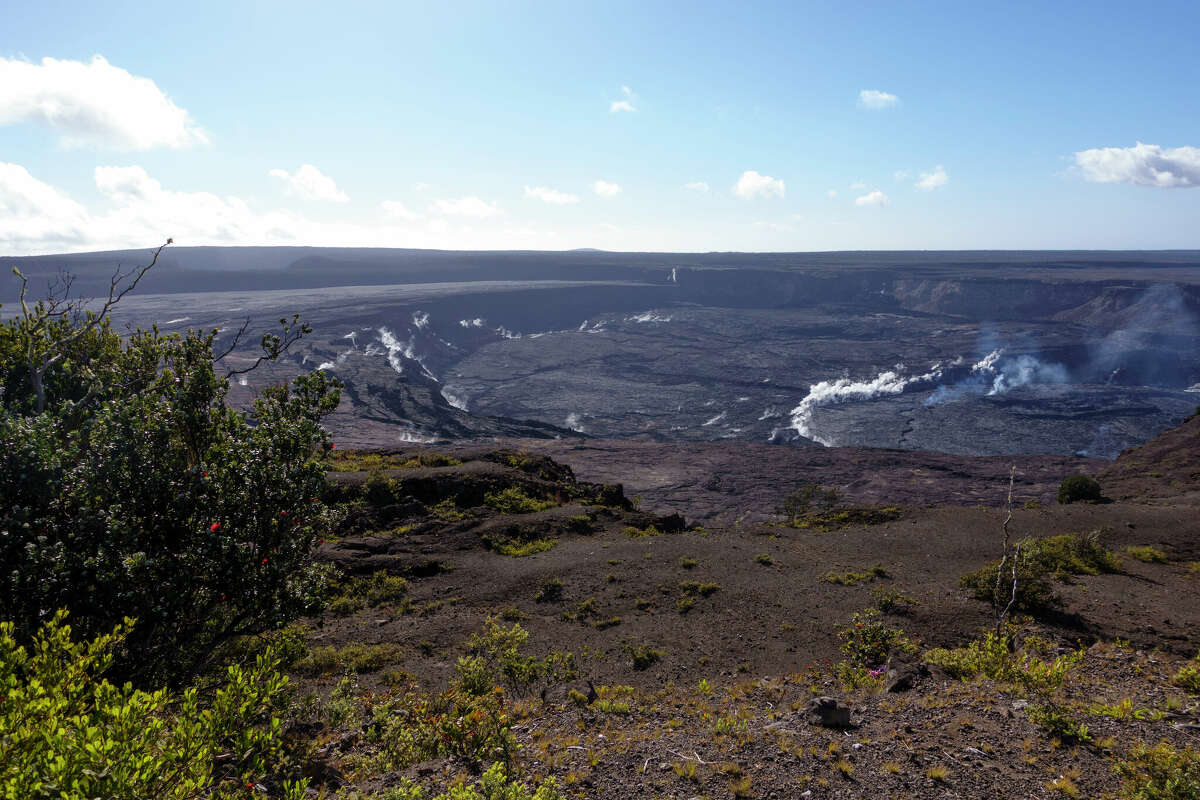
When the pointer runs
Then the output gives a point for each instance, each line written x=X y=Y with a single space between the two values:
x=702 y=575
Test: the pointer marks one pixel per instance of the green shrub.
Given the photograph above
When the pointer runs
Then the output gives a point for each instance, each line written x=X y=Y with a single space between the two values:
x=514 y=501
x=70 y=733
x=643 y=656
x=892 y=601
x=356 y=593
x=867 y=641
x=1147 y=554
x=806 y=500
x=1058 y=557
x=495 y=658
x=551 y=591
x=129 y=488
x=991 y=656
x=1059 y=723
x=1188 y=676
x=494 y=784
x=1159 y=773
x=1079 y=489
x=354 y=657
x=851 y=578
x=699 y=588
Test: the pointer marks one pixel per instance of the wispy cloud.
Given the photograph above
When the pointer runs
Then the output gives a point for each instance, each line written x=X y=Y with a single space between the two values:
x=696 y=186
x=932 y=179
x=397 y=210
x=751 y=184
x=551 y=196
x=875 y=100
x=465 y=207
x=94 y=104
x=136 y=210
x=605 y=189
x=309 y=183
x=623 y=104
x=875 y=198
x=1142 y=165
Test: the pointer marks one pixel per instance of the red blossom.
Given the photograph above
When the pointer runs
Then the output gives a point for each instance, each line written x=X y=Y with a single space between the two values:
x=214 y=527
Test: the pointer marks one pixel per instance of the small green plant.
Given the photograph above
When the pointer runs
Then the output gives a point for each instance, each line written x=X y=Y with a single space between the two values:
x=550 y=592
x=642 y=533
x=1188 y=677
x=447 y=511
x=699 y=588
x=1059 y=723
x=605 y=624
x=892 y=601
x=494 y=658
x=688 y=563
x=582 y=612
x=519 y=547
x=938 y=773
x=356 y=593
x=353 y=657
x=1079 y=488
x=851 y=578
x=992 y=656
x=1161 y=772
x=764 y=559
x=1147 y=554
x=643 y=656
x=867 y=641
x=514 y=501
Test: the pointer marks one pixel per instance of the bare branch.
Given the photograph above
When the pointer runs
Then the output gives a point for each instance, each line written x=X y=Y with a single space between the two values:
x=1002 y=614
x=237 y=338
x=40 y=354
x=274 y=346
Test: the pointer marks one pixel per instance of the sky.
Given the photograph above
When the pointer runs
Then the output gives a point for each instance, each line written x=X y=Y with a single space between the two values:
x=669 y=126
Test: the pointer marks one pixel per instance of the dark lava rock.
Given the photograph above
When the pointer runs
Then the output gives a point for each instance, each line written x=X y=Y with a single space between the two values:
x=826 y=711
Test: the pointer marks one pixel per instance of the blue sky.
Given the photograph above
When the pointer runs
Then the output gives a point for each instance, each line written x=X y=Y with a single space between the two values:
x=797 y=126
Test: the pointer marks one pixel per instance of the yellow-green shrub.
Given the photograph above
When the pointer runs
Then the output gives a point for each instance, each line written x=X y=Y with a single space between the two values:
x=69 y=733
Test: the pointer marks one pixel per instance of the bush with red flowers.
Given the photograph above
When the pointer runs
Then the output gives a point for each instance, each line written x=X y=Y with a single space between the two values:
x=130 y=488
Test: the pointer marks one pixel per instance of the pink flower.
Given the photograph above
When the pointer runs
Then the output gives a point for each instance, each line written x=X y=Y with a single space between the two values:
x=216 y=526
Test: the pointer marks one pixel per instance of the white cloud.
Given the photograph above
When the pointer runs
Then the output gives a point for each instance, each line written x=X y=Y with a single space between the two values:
x=136 y=210
x=397 y=210
x=875 y=198
x=465 y=207
x=309 y=183
x=875 y=100
x=696 y=186
x=901 y=174
x=1142 y=165
x=775 y=227
x=605 y=189
x=420 y=186
x=857 y=186
x=751 y=184
x=551 y=196
x=831 y=193
x=94 y=104
x=625 y=104
x=932 y=180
